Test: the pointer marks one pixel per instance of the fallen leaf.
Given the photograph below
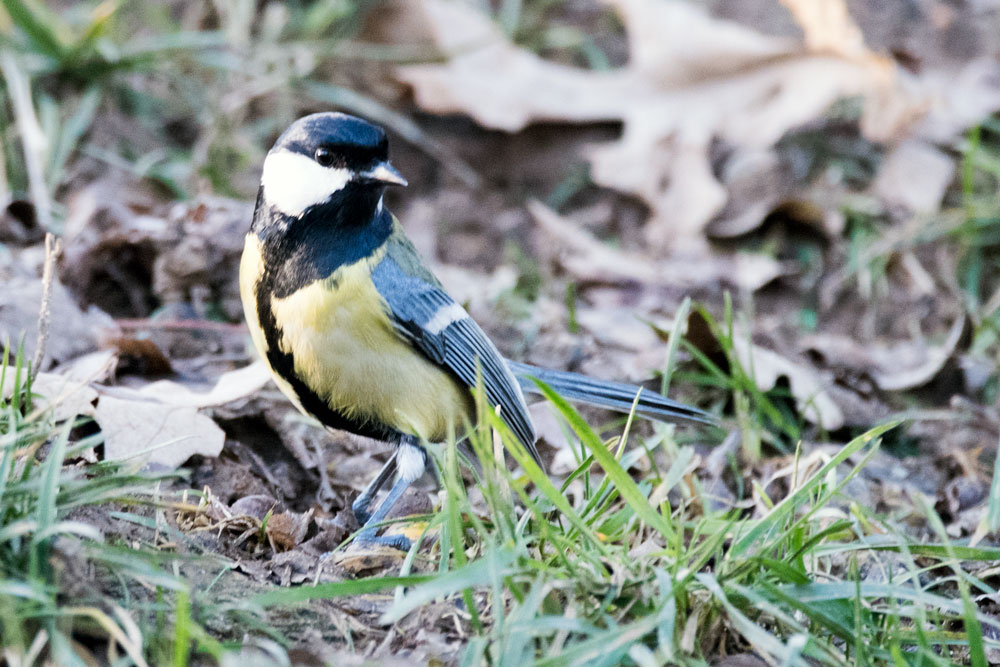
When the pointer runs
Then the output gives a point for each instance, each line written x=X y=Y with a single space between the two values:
x=139 y=356
x=691 y=80
x=549 y=427
x=914 y=176
x=286 y=530
x=905 y=366
x=231 y=386
x=827 y=26
x=620 y=328
x=256 y=505
x=766 y=367
x=811 y=399
x=160 y=424
x=94 y=367
x=957 y=98
x=65 y=396
x=110 y=240
x=155 y=433
x=756 y=182
x=127 y=250
x=368 y=558
x=206 y=253
x=74 y=331
x=590 y=260
x=893 y=367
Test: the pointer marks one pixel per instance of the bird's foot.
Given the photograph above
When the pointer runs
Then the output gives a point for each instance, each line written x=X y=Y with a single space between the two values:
x=360 y=507
x=368 y=537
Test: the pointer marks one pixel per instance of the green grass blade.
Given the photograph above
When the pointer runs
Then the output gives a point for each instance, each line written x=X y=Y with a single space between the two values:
x=787 y=506
x=544 y=484
x=993 y=514
x=335 y=589
x=35 y=22
x=71 y=134
x=606 y=648
x=496 y=563
x=619 y=476
x=48 y=493
x=674 y=342
x=755 y=634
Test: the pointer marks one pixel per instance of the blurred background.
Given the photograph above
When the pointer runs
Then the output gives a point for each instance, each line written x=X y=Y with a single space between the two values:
x=819 y=176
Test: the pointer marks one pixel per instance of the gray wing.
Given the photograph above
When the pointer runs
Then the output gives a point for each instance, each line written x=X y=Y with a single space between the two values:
x=434 y=323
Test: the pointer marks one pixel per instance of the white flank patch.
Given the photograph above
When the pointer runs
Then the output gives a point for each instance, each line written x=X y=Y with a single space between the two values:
x=445 y=316
x=410 y=462
x=293 y=182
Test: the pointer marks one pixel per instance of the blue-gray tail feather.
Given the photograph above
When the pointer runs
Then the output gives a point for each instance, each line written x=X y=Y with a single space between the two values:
x=616 y=396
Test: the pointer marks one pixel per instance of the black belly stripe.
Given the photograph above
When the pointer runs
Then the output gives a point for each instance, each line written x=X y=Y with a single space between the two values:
x=277 y=254
x=283 y=364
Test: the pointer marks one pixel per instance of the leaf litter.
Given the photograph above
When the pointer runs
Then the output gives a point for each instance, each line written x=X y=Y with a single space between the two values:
x=691 y=80
x=705 y=107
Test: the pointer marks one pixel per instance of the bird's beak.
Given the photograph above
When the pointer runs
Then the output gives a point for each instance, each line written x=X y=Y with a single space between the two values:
x=383 y=172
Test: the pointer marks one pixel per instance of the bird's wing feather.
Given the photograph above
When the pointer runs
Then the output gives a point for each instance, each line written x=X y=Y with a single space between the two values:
x=440 y=328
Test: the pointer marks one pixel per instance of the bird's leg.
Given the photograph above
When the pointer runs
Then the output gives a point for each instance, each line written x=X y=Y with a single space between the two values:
x=411 y=460
x=363 y=502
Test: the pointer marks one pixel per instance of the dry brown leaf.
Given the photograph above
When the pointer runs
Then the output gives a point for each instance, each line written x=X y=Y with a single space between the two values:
x=828 y=26
x=94 y=367
x=118 y=229
x=369 y=558
x=691 y=80
x=811 y=399
x=154 y=433
x=286 y=530
x=68 y=392
x=231 y=386
x=590 y=260
x=68 y=397
x=75 y=332
x=893 y=367
x=914 y=176
x=160 y=424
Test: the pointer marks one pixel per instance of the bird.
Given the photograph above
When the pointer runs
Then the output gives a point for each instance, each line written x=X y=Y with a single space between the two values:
x=359 y=334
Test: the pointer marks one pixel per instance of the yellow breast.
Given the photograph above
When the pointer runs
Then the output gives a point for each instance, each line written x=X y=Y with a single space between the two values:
x=346 y=350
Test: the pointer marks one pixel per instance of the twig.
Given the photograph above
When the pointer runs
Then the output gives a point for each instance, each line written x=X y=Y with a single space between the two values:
x=53 y=246
x=179 y=325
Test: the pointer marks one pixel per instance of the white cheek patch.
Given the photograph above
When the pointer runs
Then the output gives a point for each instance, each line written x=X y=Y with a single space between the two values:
x=443 y=317
x=293 y=182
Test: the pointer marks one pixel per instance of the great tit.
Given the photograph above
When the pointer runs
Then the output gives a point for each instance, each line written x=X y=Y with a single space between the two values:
x=358 y=333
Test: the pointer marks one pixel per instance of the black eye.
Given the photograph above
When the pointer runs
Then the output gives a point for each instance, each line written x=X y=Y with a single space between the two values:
x=324 y=156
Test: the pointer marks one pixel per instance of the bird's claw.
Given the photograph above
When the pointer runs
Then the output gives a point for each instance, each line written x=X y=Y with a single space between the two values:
x=401 y=542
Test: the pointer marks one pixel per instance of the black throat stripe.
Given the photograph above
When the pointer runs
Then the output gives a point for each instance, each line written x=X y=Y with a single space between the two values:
x=309 y=249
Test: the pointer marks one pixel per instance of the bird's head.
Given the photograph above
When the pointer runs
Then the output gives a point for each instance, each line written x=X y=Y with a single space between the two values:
x=322 y=155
